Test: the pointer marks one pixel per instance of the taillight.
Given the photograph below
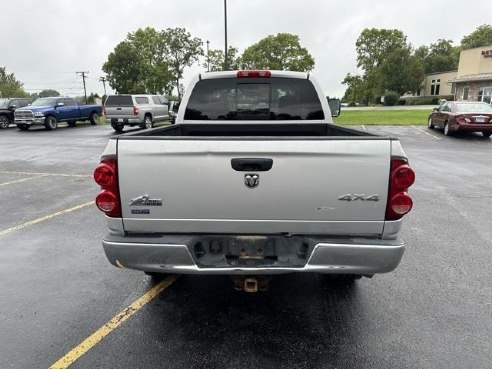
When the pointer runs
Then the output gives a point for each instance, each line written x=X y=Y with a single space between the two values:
x=401 y=178
x=106 y=176
x=253 y=74
x=462 y=119
x=135 y=110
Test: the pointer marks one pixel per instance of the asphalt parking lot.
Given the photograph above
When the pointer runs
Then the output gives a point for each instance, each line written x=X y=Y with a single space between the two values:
x=58 y=292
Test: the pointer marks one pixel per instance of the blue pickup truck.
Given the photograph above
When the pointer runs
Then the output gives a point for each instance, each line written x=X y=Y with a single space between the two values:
x=49 y=111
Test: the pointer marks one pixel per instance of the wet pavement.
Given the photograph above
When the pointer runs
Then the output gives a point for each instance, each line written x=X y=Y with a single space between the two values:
x=57 y=288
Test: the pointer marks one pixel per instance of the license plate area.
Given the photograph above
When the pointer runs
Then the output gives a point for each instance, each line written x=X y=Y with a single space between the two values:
x=250 y=251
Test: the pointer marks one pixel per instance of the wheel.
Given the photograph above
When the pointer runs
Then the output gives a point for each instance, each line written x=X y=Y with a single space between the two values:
x=156 y=276
x=4 y=121
x=342 y=279
x=71 y=123
x=118 y=127
x=94 y=118
x=486 y=134
x=447 y=131
x=148 y=122
x=430 y=123
x=51 y=122
x=23 y=127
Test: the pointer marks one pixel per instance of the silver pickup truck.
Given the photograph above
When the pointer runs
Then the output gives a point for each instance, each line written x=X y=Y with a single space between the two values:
x=254 y=179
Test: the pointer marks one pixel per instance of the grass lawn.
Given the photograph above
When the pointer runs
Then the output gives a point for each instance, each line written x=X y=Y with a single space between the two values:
x=382 y=117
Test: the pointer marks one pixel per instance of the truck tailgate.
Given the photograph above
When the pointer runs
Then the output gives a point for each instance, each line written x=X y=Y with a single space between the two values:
x=315 y=186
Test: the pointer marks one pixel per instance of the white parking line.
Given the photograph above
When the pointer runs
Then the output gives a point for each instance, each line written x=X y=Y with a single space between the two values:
x=23 y=180
x=46 y=217
x=427 y=133
x=47 y=174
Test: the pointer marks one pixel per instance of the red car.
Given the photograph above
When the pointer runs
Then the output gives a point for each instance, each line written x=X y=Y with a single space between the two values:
x=462 y=116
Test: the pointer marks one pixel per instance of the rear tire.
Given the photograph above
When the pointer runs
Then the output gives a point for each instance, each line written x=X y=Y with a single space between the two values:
x=118 y=127
x=94 y=118
x=51 y=123
x=148 y=122
x=430 y=124
x=342 y=279
x=486 y=134
x=447 y=131
x=4 y=121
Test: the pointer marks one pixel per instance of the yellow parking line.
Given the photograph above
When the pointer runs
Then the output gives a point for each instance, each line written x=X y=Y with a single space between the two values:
x=427 y=133
x=46 y=217
x=47 y=174
x=22 y=180
x=111 y=325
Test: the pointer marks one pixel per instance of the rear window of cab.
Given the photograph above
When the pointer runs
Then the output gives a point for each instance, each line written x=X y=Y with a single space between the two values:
x=254 y=99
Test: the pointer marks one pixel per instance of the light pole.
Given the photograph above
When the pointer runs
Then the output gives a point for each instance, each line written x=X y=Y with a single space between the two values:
x=226 y=64
x=208 y=57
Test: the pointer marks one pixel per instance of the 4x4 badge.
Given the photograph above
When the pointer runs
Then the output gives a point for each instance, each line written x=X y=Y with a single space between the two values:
x=251 y=180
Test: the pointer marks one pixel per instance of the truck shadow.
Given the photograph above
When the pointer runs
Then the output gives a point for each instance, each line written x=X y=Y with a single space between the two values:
x=300 y=317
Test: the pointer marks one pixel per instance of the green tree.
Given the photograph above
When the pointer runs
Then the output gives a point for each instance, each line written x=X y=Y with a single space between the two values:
x=10 y=86
x=482 y=36
x=217 y=62
x=180 y=51
x=354 y=86
x=138 y=64
x=48 y=93
x=373 y=45
x=401 y=72
x=439 y=57
x=280 y=52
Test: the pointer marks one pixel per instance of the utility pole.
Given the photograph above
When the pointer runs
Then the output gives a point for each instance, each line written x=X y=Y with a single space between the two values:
x=208 y=57
x=83 y=74
x=103 y=80
x=226 y=64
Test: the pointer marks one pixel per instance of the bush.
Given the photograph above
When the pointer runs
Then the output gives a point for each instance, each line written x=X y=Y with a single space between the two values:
x=391 y=98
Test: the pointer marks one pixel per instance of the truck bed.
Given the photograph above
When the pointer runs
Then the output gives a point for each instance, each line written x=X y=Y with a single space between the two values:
x=254 y=130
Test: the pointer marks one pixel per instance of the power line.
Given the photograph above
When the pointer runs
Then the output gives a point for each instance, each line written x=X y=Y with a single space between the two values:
x=83 y=74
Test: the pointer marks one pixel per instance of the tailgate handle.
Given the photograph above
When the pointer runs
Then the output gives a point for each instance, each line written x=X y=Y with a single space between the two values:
x=251 y=164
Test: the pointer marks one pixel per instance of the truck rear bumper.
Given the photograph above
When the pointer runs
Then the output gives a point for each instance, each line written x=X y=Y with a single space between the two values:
x=177 y=254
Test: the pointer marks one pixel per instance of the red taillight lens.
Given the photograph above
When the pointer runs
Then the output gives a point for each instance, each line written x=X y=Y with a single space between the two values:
x=106 y=201
x=135 y=110
x=401 y=178
x=401 y=203
x=106 y=176
x=253 y=74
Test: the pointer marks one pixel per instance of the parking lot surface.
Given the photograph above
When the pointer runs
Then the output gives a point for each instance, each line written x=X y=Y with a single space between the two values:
x=57 y=289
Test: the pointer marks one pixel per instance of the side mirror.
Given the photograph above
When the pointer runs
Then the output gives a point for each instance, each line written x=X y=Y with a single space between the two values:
x=435 y=109
x=335 y=107
x=13 y=107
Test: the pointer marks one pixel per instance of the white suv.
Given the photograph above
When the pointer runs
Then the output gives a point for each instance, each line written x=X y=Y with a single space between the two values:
x=142 y=110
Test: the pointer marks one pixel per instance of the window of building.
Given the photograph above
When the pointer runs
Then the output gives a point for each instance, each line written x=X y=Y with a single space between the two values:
x=465 y=93
x=485 y=94
x=435 y=87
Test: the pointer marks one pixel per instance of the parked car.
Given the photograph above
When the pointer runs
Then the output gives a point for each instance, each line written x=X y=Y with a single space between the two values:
x=132 y=110
x=49 y=111
x=7 y=108
x=462 y=116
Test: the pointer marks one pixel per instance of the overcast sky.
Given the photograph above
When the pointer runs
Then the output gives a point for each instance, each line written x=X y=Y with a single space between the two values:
x=44 y=43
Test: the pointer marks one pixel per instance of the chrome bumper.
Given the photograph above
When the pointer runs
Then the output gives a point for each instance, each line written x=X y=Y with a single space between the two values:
x=29 y=122
x=171 y=254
